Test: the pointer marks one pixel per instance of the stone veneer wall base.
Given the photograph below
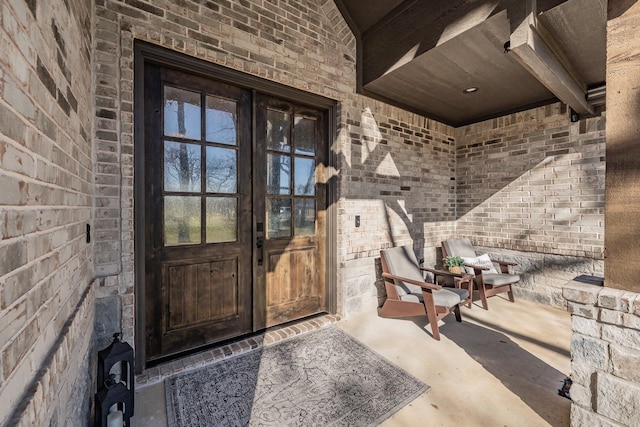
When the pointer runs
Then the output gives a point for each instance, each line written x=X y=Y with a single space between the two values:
x=605 y=354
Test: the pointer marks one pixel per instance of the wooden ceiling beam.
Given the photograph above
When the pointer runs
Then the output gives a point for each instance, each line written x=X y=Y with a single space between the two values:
x=415 y=27
x=535 y=50
x=407 y=33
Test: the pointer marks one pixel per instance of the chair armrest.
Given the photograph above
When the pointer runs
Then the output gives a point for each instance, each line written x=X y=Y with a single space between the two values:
x=423 y=285
x=445 y=272
x=504 y=265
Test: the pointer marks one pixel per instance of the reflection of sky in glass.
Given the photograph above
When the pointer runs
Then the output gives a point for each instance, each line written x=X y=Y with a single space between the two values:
x=221 y=170
x=191 y=103
x=305 y=135
x=304 y=176
x=181 y=167
x=221 y=120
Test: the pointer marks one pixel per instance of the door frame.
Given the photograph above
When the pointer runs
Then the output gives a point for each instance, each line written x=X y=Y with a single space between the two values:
x=147 y=53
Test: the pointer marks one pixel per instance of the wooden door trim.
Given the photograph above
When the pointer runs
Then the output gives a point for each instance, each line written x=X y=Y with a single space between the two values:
x=147 y=53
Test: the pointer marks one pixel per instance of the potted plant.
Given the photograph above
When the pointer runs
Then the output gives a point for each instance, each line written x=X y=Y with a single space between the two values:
x=455 y=264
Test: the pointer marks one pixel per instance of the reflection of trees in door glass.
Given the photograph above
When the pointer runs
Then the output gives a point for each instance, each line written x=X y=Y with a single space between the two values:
x=291 y=167
x=181 y=220
x=278 y=218
x=305 y=136
x=221 y=167
x=305 y=217
x=278 y=131
x=181 y=113
x=304 y=180
x=181 y=167
x=222 y=219
x=278 y=174
x=221 y=120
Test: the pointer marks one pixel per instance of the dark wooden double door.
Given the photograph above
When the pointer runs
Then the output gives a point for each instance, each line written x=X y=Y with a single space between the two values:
x=235 y=206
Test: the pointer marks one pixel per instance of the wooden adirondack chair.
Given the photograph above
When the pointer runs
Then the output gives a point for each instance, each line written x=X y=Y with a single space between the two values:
x=488 y=281
x=408 y=294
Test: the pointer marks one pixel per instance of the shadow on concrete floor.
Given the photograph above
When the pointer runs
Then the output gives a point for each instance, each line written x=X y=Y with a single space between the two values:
x=534 y=381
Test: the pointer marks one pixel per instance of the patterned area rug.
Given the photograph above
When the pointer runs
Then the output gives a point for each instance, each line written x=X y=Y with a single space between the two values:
x=322 y=378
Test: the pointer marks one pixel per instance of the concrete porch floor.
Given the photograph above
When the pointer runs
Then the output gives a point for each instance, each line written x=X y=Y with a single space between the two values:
x=500 y=367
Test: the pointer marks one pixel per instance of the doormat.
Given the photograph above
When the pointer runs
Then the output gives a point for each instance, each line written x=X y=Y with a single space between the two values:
x=322 y=378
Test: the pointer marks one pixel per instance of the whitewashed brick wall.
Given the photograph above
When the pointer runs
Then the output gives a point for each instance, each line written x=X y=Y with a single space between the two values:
x=46 y=187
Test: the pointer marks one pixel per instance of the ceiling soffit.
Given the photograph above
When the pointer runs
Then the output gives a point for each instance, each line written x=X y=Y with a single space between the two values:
x=421 y=55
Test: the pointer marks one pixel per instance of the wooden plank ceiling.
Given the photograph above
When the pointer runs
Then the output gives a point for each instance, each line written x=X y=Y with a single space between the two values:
x=421 y=55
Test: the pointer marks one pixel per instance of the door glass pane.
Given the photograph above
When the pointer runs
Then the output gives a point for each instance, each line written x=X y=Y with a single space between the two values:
x=181 y=113
x=221 y=120
x=278 y=174
x=222 y=174
x=305 y=136
x=222 y=219
x=305 y=180
x=305 y=217
x=278 y=131
x=181 y=167
x=278 y=218
x=181 y=220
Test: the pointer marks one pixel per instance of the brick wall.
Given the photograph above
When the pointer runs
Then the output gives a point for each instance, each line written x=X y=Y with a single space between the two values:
x=530 y=188
x=398 y=173
x=46 y=302
x=527 y=186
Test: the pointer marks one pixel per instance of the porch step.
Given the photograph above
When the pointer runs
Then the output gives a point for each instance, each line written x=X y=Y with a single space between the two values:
x=198 y=360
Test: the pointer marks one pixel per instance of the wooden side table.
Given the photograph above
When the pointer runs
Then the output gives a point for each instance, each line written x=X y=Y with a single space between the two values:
x=465 y=282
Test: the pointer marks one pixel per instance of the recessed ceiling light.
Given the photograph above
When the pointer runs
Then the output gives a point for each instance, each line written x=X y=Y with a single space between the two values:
x=470 y=89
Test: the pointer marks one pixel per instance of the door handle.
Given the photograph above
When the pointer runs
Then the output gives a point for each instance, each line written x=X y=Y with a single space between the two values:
x=260 y=247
